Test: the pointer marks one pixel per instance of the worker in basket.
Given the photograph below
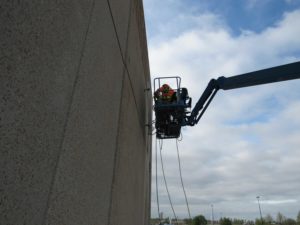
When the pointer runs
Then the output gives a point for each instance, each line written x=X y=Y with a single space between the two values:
x=165 y=94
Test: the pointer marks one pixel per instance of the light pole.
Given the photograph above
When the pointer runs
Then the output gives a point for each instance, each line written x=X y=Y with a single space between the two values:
x=212 y=214
x=259 y=209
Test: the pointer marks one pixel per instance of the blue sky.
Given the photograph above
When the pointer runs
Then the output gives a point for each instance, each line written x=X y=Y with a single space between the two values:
x=239 y=15
x=245 y=15
x=248 y=141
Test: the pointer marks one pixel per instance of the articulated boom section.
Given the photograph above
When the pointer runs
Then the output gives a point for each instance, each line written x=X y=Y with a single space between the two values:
x=172 y=115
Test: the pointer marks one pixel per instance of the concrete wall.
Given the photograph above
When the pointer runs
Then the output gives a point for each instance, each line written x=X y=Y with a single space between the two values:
x=74 y=148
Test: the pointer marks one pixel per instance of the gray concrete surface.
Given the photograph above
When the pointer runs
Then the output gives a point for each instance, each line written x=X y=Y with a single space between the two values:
x=74 y=148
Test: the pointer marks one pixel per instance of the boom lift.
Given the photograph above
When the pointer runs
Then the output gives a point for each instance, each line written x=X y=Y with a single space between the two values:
x=171 y=116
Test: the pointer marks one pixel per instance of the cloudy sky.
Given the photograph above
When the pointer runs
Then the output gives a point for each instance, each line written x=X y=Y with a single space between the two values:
x=248 y=141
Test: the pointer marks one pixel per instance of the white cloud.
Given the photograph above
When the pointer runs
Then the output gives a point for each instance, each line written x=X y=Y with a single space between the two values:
x=275 y=202
x=247 y=143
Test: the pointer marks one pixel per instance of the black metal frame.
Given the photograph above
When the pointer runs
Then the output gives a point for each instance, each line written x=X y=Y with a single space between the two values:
x=170 y=116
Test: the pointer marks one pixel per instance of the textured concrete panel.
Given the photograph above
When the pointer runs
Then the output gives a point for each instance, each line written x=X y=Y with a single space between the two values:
x=130 y=156
x=36 y=82
x=74 y=145
x=133 y=135
x=84 y=174
x=141 y=100
x=121 y=12
x=134 y=53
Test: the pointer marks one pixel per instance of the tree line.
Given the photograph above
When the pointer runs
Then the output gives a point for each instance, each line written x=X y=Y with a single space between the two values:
x=267 y=220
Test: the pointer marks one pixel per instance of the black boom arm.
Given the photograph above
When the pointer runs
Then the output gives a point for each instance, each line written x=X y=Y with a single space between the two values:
x=275 y=74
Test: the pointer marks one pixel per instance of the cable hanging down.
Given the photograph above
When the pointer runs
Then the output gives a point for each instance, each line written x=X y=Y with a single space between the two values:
x=180 y=173
x=166 y=185
x=157 y=199
x=160 y=143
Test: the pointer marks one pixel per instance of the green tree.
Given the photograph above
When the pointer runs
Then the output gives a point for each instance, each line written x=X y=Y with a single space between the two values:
x=188 y=221
x=298 y=218
x=280 y=218
x=166 y=220
x=249 y=222
x=259 y=222
x=199 y=220
x=289 y=222
x=225 y=221
x=268 y=219
x=238 y=222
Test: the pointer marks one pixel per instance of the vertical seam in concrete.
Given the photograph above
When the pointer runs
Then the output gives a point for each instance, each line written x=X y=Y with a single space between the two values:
x=124 y=62
x=120 y=111
x=139 y=8
x=116 y=153
x=143 y=33
x=68 y=114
